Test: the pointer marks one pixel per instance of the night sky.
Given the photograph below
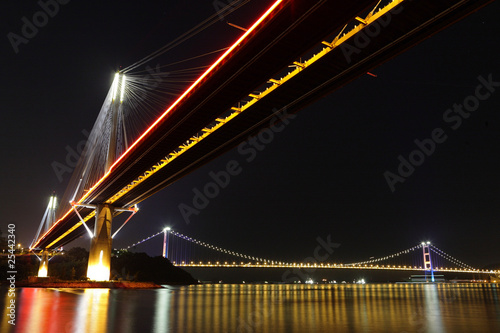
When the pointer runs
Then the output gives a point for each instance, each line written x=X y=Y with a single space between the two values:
x=323 y=175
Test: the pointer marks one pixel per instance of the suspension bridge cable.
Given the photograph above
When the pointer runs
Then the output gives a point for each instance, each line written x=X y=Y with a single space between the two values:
x=397 y=254
x=450 y=258
x=180 y=256
x=187 y=35
x=186 y=60
x=206 y=245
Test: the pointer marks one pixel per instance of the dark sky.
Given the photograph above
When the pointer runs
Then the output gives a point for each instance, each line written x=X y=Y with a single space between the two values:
x=323 y=175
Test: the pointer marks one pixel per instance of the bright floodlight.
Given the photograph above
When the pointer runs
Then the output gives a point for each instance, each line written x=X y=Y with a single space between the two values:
x=167 y=229
x=428 y=242
x=52 y=203
x=423 y=243
x=42 y=272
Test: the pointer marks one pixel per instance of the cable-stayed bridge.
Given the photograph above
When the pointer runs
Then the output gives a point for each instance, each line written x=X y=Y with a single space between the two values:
x=185 y=251
x=293 y=54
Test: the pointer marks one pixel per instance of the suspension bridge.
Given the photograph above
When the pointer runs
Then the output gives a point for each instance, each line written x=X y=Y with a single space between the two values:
x=153 y=130
x=184 y=251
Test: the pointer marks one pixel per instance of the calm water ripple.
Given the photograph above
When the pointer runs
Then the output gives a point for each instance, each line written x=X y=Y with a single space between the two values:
x=260 y=308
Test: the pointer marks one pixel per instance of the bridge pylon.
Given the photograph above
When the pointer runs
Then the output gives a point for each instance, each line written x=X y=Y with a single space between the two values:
x=100 y=248
x=99 y=264
x=44 y=264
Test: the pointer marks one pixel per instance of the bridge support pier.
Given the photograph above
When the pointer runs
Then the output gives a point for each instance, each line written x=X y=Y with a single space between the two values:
x=100 y=248
x=44 y=264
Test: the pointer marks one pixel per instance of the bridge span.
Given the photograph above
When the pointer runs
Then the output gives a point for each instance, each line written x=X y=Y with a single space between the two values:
x=426 y=258
x=327 y=44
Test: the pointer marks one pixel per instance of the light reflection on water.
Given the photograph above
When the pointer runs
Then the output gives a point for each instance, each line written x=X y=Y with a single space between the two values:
x=261 y=308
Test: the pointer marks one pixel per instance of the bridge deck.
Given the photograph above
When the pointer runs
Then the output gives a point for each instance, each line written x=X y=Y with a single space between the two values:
x=246 y=70
x=334 y=266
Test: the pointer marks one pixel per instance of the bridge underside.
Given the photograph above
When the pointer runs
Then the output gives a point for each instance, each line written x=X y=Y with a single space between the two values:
x=244 y=71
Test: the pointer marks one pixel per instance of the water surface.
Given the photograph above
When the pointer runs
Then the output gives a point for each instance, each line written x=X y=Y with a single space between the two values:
x=260 y=308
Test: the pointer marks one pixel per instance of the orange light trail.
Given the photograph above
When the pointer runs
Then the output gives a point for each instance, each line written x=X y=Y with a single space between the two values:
x=167 y=111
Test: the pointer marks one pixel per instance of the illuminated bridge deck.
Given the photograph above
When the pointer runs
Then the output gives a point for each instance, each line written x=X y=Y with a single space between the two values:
x=223 y=108
x=331 y=266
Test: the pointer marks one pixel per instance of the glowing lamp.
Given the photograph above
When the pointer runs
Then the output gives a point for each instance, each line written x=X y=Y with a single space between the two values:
x=42 y=272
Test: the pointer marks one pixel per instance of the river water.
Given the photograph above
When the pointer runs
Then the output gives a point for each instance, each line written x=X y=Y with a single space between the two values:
x=259 y=308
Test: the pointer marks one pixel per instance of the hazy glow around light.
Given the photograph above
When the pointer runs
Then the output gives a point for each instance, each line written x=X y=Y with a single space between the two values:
x=122 y=94
x=114 y=88
x=52 y=203
x=42 y=272
x=99 y=272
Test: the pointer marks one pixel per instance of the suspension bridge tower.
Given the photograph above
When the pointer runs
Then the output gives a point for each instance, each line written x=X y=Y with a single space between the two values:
x=427 y=259
x=48 y=219
x=100 y=247
x=165 y=242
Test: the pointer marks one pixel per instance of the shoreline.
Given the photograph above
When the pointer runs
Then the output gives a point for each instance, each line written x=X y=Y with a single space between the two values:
x=152 y=285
